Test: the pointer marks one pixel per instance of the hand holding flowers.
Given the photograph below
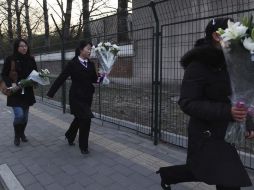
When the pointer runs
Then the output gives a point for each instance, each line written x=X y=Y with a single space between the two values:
x=239 y=112
x=238 y=48
x=34 y=78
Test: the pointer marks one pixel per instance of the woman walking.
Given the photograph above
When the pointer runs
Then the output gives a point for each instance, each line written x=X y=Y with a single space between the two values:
x=16 y=67
x=83 y=74
x=205 y=93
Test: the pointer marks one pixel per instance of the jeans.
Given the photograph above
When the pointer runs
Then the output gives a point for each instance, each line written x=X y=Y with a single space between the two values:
x=20 y=115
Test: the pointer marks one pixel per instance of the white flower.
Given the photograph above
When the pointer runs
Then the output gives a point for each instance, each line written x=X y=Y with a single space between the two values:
x=234 y=31
x=107 y=44
x=248 y=43
x=45 y=71
x=116 y=47
x=103 y=49
x=100 y=44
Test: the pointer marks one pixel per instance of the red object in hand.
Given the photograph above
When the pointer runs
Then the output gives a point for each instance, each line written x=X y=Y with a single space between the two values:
x=100 y=77
x=240 y=104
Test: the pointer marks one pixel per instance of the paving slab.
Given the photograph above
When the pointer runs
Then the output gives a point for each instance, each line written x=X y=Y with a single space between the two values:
x=118 y=159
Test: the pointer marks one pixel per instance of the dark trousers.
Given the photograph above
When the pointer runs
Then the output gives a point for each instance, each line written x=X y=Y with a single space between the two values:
x=181 y=173
x=83 y=125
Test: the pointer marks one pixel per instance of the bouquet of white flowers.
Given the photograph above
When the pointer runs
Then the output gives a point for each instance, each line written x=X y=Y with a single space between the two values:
x=34 y=77
x=238 y=46
x=107 y=54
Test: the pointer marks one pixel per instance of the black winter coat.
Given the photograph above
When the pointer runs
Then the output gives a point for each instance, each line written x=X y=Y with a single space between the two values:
x=205 y=93
x=24 y=65
x=81 y=90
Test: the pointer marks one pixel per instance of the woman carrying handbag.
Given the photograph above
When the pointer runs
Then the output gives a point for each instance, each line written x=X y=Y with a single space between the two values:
x=16 y=67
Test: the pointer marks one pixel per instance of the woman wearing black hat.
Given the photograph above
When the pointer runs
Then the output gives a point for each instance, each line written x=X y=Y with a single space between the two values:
x=204 y=97
x=83 y=74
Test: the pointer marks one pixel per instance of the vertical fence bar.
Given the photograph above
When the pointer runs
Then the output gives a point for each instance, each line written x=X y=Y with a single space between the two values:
x=62 y=68
x=156 y=82
x=62 y=63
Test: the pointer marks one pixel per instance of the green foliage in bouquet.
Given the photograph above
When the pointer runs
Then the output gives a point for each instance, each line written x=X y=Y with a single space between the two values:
x=25 y=83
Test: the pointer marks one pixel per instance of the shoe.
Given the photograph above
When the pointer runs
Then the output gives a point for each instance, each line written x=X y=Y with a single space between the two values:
x=163 y=184
x=84 y=151
x=23 y=138
x=71 y=143
x=16 y=141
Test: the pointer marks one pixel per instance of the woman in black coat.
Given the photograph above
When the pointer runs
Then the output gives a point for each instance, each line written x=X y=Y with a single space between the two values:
x=17 y=67
x=205 y=93
x=83 y=74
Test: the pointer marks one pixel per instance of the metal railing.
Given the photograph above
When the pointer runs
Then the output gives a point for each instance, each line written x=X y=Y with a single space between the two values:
x=146 y=79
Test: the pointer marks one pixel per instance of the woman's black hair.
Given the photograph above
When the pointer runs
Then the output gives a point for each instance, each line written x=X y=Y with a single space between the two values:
x=212 y=26
x=81 y=46
x=16 y=46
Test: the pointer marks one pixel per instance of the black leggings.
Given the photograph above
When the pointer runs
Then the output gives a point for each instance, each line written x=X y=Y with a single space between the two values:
x=181 y=173
x=84 y=128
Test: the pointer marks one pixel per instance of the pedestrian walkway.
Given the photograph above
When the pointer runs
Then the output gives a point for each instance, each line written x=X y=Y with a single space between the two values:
x=119 y=159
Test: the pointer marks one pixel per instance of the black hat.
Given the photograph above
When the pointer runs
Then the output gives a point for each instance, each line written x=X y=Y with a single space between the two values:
x=214 y=25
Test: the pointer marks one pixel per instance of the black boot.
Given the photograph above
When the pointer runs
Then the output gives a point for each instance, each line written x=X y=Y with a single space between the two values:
x=22 y=133
x=17 y=135
x=163 y=184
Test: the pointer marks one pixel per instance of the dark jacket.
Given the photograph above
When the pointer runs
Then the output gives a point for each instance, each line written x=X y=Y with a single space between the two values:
x=81 y=90
x=24 y=65
x=205 y=93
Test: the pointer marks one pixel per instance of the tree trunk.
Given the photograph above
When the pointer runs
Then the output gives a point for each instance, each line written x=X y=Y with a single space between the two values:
x=122 y=23
x=79 y=30
x=9 y=18
x=46 y=23
x=67 y=20
x=18 y=13
x=1 y=39
x=27 y=20
x=86 y=24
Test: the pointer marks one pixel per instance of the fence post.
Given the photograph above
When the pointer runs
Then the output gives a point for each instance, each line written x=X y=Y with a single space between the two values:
x=62 y=63
x=62 y=68
x=156 y=81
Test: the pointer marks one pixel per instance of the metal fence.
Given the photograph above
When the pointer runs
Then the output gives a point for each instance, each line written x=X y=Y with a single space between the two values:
x=145 y=81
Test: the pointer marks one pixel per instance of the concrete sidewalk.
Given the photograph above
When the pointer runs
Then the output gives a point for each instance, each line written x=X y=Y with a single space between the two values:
x=118 y=159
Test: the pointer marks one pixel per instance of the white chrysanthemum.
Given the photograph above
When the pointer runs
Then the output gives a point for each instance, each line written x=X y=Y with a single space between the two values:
x=116 y=47
x=107 y=44
x=45 y=71
x=234 y=31
x=248 y=43
x=102 y=49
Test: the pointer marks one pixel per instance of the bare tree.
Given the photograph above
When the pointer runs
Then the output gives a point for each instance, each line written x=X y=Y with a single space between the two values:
x=18 y=13
x=9 y=20
x=46 y=22
x=27 y=21
x=122 y=21
x=67 y=20
x=86 y=18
